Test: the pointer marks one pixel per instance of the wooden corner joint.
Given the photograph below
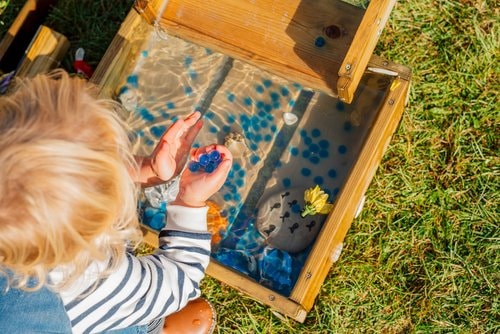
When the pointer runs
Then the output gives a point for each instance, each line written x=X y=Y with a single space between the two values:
x=146 y=10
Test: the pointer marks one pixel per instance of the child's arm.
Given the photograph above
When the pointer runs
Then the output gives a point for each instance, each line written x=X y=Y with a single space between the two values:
x=150 y=287
x=169 y=156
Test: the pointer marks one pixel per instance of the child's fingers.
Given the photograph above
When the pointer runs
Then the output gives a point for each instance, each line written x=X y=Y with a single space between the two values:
x=193 y=132
x=192 y=118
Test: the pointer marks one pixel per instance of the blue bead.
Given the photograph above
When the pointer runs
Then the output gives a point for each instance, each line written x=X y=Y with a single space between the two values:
x=239 y=183
x=305 y=171
x=158 y=130
x=347 y=126
x=294 y=151
x=231 y=119
x=318 y=180
x=146 y=115
x=254 y=160
x=306 y=154
x=323 y=154
x=133 y=80
x=236 y=166
x=231 y=97
x=284 y=91
x=259 y=89
x=214 y=156
x=188 y=60
x=188 y=90
x=193 y=74
x=203 y=159
x=268 y=138
x=332 y=173
x=342 y=149
x=324 y=143
x=193 y=166
x=228 y=197
x=158 y=221
x=287 y=182
x=314 y=148
x=274 y=96
x=248 y=101
x=315 y=133
x=170 y=105
x=320 y=42
x=267 y=83
x=314 y=160
x=210 y=167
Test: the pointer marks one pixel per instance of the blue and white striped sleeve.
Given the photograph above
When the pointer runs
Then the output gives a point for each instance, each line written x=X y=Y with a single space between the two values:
x=148 y=287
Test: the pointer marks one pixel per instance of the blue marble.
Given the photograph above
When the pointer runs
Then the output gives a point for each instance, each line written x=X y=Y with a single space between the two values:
x=247 y=101
x=287 y=182
x=231 y=97
x=158 y=130
x=133 y=80
x=323 y=143
x=305 y=171
x=332 y=173
x=320 y=41
x=188 y=90
x=146 y=115
x=314 y=159
x=318 y=180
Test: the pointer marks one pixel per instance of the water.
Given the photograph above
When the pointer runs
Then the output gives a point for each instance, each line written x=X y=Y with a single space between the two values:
x=274 y=162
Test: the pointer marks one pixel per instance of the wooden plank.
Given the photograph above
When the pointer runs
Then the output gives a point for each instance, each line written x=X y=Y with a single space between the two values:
x=339 y=221
x=253 y=289
x=22 y=31
x=362 y=47
x=44 y=53
x=121 y=53
x=278 y=36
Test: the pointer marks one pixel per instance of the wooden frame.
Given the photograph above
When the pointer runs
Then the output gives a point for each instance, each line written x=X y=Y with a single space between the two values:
x=126 y=46
x=302 y=39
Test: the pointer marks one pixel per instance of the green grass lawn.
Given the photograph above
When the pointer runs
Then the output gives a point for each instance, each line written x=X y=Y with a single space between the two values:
x=424 y=255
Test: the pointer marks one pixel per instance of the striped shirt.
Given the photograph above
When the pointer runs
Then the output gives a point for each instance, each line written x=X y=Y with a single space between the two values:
x=147 y=287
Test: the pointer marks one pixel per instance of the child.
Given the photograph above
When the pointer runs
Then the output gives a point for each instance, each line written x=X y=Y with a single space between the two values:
x=68 y=213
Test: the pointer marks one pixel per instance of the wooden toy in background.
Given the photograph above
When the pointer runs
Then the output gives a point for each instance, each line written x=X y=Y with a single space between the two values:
x=28 y=47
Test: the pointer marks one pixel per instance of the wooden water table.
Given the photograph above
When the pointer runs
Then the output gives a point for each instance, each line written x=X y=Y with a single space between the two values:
x=297 y=80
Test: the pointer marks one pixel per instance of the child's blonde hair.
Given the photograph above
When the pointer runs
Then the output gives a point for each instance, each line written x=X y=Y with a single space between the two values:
x=66 y=194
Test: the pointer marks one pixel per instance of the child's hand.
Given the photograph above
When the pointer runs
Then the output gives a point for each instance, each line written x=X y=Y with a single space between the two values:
x=169 y=156
x=196 y=187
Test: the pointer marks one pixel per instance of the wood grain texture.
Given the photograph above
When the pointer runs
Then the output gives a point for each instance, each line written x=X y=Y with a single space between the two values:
x=277 y=36
x=44 y=53
x=362 y=47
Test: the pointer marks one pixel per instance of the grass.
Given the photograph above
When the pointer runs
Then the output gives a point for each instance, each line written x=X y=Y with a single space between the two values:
x=424 y=255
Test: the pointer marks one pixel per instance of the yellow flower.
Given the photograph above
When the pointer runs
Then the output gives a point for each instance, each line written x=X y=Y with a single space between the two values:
x=315 y=200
